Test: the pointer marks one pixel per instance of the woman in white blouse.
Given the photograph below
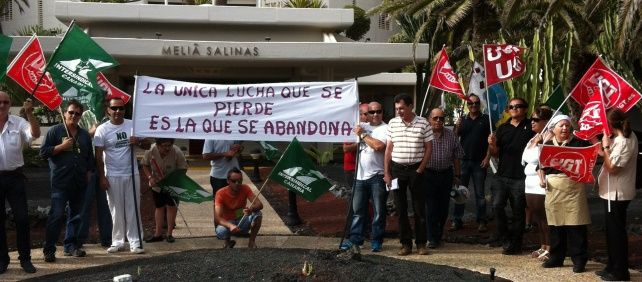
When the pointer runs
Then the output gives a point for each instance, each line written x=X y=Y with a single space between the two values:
x=617 y=189
x=534 y=193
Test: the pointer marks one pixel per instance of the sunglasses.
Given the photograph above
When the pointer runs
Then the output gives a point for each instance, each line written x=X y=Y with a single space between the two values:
x=117 y=108
x=516 y=106
x=438 y=118
x=473 y=103
x=533 y=119
x=73 y=113
x=375 y=112
x=237 y=181
x=4 y=102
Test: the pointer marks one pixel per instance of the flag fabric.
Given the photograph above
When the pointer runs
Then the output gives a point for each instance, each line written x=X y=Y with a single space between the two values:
x=182 y=187
x=593 y=119
x=555 y=100
x=74 y=68
x=503 y=62
x=477 y=85
x=498 y=99
x=576 y=162
x=27 y=68
x=271 y=152
x=444 y=78
x=617 y=91
x=297 y=173
x=5 y=46
x=111 y=90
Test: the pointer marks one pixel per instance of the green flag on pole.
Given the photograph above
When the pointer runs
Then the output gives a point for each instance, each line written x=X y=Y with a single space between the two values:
x=5 y=46
x=180 y=186
x=74 y=67
x=271 y=152
x=556 y=99
x=297 y=173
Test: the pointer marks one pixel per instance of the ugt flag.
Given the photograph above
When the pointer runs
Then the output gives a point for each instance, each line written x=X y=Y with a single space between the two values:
x=297 y=173
x=593 y=120
x=74 y=68
x=271 y=152
x=502 y=62
x=444 y=78
x=111 y=90
x=617 y=92
x=5 y=46
x=182 y=187
x=576 y=162
x=27 y=68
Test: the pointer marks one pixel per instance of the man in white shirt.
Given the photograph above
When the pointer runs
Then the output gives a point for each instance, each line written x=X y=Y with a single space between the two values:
x=369 y=184
x=114 y=167
x=15 y=131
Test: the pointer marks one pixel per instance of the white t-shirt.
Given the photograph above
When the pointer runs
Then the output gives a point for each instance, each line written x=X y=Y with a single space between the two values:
x=114 y=139
x=624 y=152
x=530 y=158
x=371 y=161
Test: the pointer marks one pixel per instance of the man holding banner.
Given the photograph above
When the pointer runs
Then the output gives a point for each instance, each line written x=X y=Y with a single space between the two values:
x=161 y=159
x=408 y=150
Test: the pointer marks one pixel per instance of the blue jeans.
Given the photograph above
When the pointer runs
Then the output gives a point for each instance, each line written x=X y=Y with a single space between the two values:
x=511 y=190
x=103 y=216
x=373 y=189
x=61 y=194
x=472 y=169
x=224 y=233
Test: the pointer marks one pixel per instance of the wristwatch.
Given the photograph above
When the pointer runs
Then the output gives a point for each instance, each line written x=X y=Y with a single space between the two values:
x=363 y=135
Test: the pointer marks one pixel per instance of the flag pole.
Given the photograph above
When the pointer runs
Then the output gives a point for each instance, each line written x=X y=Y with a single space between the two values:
x=608 y=175
x=133 y=162
x=421 y=113
x=486 y=87
x=44 y=71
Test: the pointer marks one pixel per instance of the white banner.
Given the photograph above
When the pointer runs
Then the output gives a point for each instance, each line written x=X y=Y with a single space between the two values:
x=311 y=111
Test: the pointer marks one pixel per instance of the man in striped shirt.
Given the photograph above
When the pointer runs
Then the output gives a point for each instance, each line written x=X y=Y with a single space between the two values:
x=408 y=150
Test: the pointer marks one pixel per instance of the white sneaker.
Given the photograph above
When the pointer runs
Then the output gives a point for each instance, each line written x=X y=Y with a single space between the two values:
x=138 y=251
x=114 y=249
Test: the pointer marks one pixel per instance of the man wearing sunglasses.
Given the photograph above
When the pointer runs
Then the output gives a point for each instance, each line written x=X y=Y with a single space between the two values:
x=14 y=133
x=473 y=131
x=408 y=150
x=69 y=151
x=508 y=143
x=369 y=184
x=442 y=171
x=113 y=141
x=232 y=215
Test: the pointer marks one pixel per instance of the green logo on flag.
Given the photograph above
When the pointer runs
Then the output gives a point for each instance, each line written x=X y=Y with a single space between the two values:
x=271 y=152
x=297 y=173
x=182 y=187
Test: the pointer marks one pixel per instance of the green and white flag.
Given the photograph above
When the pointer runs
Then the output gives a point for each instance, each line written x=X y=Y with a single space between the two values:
x=271 y=152
x=297 y=173
x=180 y=186
x=556 y=99
x=74 y=67
x=5 y=46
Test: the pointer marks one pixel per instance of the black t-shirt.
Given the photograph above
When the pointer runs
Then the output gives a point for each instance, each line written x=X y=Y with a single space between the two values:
x=575 y=142
x=474 y=137
x=511 y=141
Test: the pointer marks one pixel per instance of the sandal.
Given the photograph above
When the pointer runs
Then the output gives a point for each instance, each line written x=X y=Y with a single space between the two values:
x=538 y=253
x=545 y=256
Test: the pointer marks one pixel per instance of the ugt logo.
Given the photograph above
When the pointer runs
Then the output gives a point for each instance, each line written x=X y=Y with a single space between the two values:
x=571 y=162
x=121 y=135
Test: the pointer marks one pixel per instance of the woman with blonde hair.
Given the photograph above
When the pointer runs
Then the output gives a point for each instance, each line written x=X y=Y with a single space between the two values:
x=617 y=189
x=566 y=204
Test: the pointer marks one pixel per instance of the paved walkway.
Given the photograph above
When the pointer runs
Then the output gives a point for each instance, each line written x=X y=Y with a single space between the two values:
x=274 y=233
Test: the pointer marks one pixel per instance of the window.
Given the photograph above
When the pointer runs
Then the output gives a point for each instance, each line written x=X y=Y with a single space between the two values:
x=8 y=11
x=40 y=18
x=384 y=21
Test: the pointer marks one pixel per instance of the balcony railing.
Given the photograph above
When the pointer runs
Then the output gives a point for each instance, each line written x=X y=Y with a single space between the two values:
x=248 y=3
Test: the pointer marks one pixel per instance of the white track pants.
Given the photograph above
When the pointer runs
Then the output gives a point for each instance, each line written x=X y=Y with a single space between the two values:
x=120 y=198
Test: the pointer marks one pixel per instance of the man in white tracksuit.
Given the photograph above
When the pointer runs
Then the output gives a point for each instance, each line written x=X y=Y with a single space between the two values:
x=114 y=165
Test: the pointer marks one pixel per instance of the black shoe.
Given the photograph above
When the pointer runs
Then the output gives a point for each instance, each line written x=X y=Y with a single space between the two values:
x=512 y=251
x=229 y=244
x=27 y=266
x=170 y=239
x=602 y=272
x=552 y=264
x=611 y=277
x=433 y=245
x=51 y=257
x=3 y=267
x=154 y=239
x=579 y=268
x=79 y=252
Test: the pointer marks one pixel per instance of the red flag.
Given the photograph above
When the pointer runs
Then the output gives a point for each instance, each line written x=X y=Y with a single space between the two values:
x=576 y=162
x=28 y=67
x=112 y=91
x=503 y=62
x=444 y=78
x=593 y=120
x=617 y=92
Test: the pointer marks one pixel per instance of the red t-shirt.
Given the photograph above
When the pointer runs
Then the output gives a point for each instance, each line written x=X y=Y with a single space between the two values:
x=233 y=204
x=349 y=160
